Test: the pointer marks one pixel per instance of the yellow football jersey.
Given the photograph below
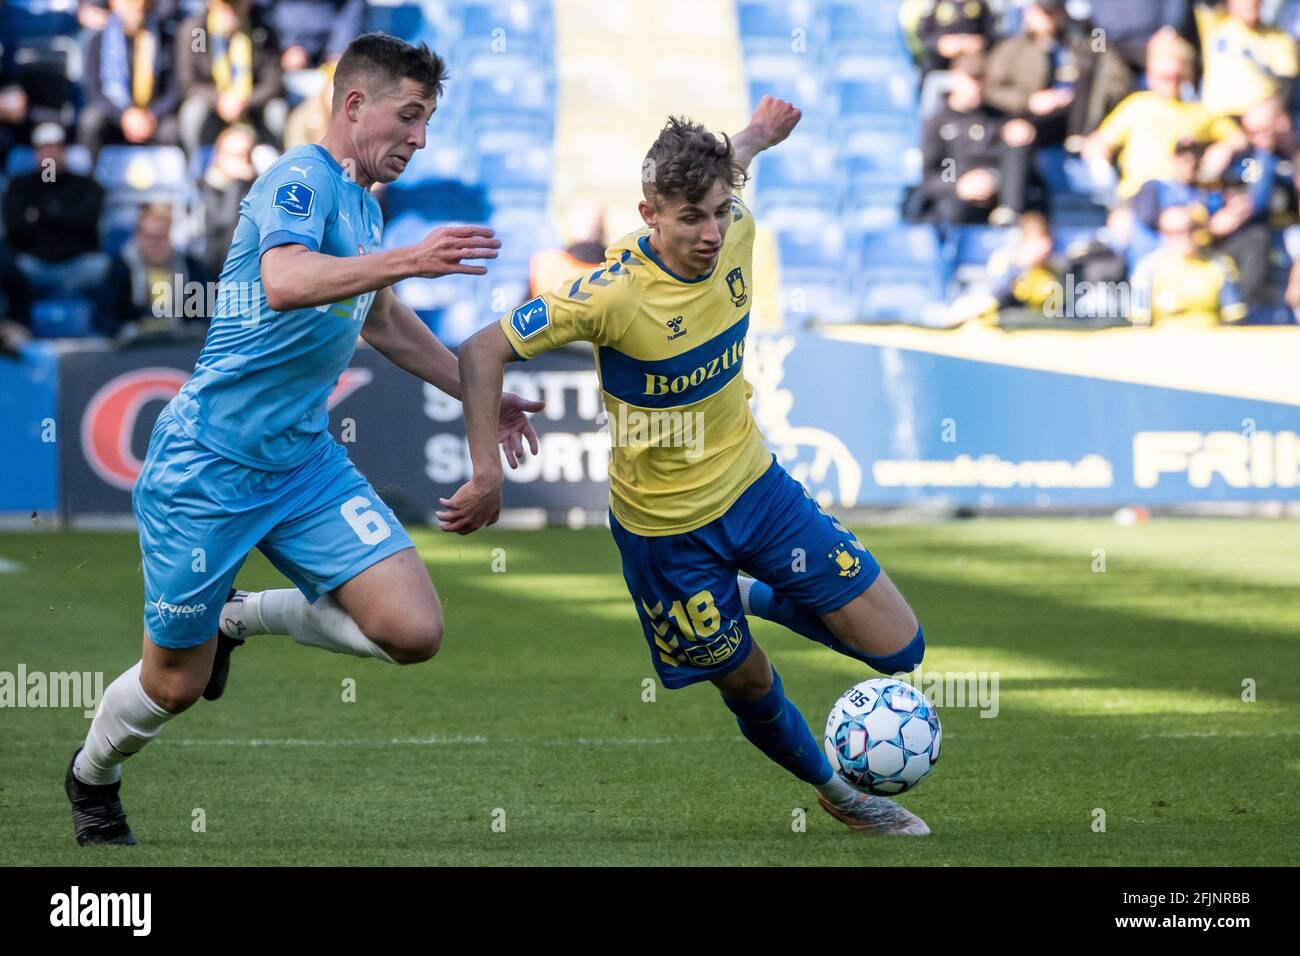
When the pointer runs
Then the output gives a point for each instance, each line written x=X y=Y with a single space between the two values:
x=669 y=352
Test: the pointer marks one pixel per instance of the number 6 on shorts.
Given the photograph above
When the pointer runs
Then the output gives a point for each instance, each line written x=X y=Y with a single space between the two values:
x=369 y=525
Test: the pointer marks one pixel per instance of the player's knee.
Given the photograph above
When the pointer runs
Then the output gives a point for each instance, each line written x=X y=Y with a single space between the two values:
x=410 y=641
x=173 y=692
x=902 y=661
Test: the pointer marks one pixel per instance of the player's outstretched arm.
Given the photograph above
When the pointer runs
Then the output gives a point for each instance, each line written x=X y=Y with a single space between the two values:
x=772 y=122
x=396 y=332
x=476 y=503
x=294 y=277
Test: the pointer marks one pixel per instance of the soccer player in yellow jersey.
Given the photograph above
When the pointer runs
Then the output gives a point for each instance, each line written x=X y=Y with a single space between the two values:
x=695 y=495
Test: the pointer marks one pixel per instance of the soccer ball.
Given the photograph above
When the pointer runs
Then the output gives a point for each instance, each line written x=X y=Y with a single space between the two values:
x=882 y=736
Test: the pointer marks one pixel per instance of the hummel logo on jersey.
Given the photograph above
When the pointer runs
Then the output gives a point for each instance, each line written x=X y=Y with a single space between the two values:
x=531 y=317
x=295 y=199
x=675 y=326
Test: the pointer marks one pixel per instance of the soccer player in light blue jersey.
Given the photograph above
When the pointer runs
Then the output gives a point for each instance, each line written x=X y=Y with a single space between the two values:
x=241 y=458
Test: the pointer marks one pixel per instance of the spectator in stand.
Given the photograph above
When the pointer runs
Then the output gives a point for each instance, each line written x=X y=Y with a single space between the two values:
x=1181 y=188
x=224 y=185
x=1027 y=279
x=51 y=244
x=1128 y=25
x=1180 y=285
x=1146 y=127
x=309 y=120
x=953 y=28
x=1052 y=75
x=130 y=81
x=975 y=161
x=14 y=122
x=1246 y=61
x=312 y=32
x=1265 y=175
x=584 y=231
x=167 y=287
x=229 y=72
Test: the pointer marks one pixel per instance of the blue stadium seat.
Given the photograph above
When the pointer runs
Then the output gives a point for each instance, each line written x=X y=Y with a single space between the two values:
x=1063 y=237
x=1072 y=209
x=142 y=173
x=23 y=22
x=792 y=176
x=817 y=295
x=870 y=28
x=510 y=102
x=891 y=296
x=504 y=27
x=895 y=161
x=22 y=159
x=911 y=245
x=65 y=316
x=813 y=249
x=199 y=162
x=890 y=93
x=972 y=245
x=405 y=21
x=774 y=25
x=872 y=209
x=434 y=201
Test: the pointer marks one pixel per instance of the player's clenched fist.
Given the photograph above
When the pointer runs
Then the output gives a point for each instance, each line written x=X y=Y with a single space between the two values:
x=441 y=251
x=774 y=120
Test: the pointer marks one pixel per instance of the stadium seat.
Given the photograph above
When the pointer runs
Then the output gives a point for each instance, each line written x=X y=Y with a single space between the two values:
x=820 y=248
x=910 y=245
x=896 y=161
x=972 y=245
x=435 y=201
x=142 y=173
x=402 y=20
x=199 y=162
x=504 y=27
x=775 y=25
x=799 y=176
x=63 y=317
x=913 y=296
x=510 y=102
x=874 y=28
x=22 y=159
x=815 y=295
x=23 y=22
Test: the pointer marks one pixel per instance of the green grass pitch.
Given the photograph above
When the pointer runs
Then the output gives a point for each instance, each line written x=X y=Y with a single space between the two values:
x=1119 y=690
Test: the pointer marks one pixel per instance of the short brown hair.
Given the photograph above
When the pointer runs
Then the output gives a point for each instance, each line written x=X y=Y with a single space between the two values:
x=686 y=160
x=379 y=62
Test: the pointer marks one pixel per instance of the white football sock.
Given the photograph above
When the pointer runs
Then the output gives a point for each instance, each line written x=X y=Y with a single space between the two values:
x=744 y=584
x=838 y=793
x=127 y=718
x=323 y=624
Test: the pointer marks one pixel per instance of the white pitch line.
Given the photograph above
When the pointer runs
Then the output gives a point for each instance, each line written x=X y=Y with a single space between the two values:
x=455 y=740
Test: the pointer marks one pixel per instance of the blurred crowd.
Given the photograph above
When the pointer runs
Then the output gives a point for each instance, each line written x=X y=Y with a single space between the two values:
x=1166 y=125
x=223 y=85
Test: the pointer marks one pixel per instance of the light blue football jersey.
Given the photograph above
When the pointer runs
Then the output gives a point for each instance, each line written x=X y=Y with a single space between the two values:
x=259 y=389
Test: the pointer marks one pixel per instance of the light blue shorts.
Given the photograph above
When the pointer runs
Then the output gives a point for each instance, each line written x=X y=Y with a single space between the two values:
x=199 y=515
